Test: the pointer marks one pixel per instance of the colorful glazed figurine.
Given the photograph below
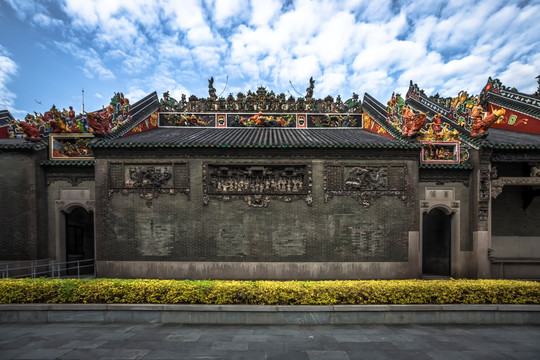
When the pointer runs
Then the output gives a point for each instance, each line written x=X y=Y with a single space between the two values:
x=480 y=126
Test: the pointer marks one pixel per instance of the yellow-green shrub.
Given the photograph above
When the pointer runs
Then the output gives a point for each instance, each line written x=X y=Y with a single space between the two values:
x=107 y=291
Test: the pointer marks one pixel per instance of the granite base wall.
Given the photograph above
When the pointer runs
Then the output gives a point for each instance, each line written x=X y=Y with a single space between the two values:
x=255 y=270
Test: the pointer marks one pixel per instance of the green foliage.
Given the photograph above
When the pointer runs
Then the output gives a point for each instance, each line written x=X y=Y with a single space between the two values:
x=109 y=291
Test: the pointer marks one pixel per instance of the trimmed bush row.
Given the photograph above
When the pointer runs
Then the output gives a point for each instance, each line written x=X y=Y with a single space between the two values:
x=112 y=291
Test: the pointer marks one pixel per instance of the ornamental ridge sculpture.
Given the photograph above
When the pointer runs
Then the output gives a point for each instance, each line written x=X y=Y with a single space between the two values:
x=55 y=121
x=261 y=100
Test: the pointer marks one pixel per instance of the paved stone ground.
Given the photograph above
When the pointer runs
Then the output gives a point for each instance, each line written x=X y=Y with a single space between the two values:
x=344 y=342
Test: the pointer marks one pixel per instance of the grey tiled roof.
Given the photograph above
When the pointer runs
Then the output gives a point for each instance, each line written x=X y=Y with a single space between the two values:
x=505 y=139
x=22 y=144
x=72 y=163
x=253 y=138
x=465 y=166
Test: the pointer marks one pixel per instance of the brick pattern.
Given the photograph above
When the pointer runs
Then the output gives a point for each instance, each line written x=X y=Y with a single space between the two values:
x=17 y=208
x=178 y=228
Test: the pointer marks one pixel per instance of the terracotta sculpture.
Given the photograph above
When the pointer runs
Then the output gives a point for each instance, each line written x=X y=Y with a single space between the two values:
x=412 y=122
x=30 y=130
x=480 y=126
x=98 y=125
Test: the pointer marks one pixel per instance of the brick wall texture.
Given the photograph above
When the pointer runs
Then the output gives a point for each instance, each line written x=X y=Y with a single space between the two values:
x=19 y=208
x=183 y=228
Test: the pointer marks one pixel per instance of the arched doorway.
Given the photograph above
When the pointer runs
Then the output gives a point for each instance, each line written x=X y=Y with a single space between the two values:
x=79 y=234
x=436 y=243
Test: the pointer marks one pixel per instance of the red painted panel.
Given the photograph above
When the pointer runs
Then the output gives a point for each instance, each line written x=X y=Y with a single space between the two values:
x=4 y=132
x=149 y=123
x=516 y=121
x=374 y=127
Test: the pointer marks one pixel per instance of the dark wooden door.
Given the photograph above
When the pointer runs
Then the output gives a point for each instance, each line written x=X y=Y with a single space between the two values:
x=436 y=238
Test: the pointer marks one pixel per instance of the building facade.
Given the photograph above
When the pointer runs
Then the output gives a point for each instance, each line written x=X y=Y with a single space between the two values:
x=260 y=186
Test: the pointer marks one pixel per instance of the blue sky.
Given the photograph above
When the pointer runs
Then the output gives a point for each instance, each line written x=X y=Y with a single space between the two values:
x=50 y=50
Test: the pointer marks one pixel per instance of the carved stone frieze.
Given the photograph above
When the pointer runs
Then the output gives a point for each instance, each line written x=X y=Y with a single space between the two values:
x=257 y=185
x=498 y=184
x=530 y=156
x=364 y=183
x=148 y=180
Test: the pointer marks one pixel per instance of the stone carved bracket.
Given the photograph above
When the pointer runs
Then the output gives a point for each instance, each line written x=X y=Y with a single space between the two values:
x=148 y=180
x=498 y=184
x=257 y=185
x=364 y=183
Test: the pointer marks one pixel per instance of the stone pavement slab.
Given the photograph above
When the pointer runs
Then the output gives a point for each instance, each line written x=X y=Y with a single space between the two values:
x=252 y=342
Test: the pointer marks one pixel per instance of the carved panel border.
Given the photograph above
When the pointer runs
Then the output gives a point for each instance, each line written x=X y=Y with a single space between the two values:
x=365 y=182
x=484 y=190
x=148 y=180
x=257 y=183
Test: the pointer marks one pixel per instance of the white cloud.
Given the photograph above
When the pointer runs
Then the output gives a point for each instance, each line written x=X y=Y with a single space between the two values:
x=519 y=75
x=225 y=11
x=8 y=69
x=46 y=21
x=92 y=61
x=353 y=45
x=264 y=12
x=188 y=16
x=332 y=81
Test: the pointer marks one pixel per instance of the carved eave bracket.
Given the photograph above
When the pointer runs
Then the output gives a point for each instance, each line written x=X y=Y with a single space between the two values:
x=498 y=184
x=257 y=185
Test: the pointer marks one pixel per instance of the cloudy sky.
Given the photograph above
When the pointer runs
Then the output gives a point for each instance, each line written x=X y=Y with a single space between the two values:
x=51 y=50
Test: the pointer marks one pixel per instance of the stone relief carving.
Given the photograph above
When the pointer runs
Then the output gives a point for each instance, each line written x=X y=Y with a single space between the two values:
x=364 y=183
x=498 y=184
x=367 y=179
x=535 y=170
x=148 y=180
x=257 y=185
x=484 y=190
x=483 y=193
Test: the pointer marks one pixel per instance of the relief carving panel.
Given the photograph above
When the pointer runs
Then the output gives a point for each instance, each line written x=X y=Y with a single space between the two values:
x=148 y=180
x=365 y=183
x=257 y=185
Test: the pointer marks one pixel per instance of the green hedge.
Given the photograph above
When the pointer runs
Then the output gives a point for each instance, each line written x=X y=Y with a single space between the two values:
x=110 y=291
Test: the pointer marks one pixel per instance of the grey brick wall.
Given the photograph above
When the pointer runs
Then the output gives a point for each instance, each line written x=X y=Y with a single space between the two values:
x=23 y=231
x=182 y=228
